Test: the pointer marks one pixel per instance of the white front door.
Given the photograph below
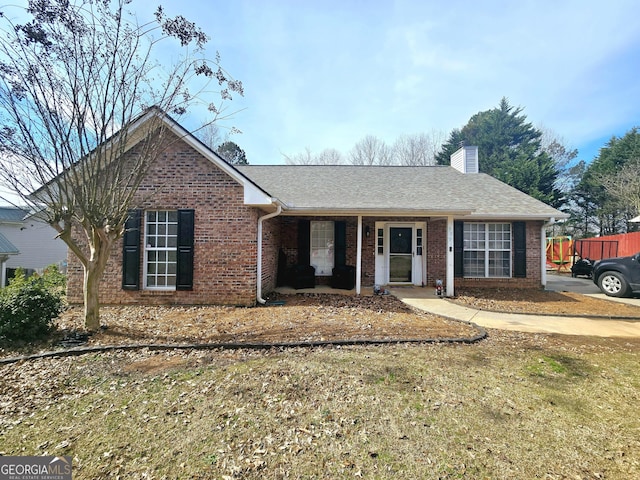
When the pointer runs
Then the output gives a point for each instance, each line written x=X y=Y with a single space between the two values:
x=399 y=253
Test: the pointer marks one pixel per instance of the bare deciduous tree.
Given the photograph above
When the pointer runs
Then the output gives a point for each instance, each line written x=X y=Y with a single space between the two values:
x=416 y=150
x=70 y=78
x=328 y=156
x=624 y=186
x=371 y=151
x=210 y=135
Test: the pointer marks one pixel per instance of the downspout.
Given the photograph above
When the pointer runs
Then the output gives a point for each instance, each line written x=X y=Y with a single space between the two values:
x=543 y=266
x=259 y=298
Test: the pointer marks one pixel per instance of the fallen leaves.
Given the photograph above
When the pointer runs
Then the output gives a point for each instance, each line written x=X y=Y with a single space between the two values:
x=542 y=301
x=303 y=318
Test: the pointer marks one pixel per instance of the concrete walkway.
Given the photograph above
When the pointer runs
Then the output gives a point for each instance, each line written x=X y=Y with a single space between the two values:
x=425 y=299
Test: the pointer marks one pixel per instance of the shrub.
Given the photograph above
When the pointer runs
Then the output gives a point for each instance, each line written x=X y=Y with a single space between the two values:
x=27 y=308
x=54 y=280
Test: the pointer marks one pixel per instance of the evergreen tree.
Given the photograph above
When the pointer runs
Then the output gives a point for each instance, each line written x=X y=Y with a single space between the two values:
x=232 y=153
x=618 y=155
x=509 y=148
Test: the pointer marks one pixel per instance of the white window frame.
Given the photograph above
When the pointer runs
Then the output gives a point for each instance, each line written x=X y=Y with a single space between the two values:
x=489 y=241
x=160 y=240
x=322 y=247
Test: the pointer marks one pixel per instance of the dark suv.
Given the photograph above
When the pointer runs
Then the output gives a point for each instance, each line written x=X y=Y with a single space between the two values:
x=618 y=277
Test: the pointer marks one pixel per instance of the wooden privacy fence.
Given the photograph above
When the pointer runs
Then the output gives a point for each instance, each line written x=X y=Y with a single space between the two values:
x=563 y=251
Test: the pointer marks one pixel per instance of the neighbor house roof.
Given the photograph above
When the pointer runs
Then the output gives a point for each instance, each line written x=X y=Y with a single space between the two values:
x=6 y=247
x=436 y=190
x=12 y=214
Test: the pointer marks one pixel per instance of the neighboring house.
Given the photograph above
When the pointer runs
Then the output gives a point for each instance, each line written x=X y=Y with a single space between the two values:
x=214 y=233
x=7 y=249
x=34 y=242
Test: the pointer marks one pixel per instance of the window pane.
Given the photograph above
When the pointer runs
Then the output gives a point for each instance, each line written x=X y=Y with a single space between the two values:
x=322 y=247
x=487 y=249
x=473 y=263
x=161 y=242
x=499 y=265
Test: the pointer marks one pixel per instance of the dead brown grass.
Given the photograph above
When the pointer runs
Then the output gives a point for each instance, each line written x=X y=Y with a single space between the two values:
x=513 y=406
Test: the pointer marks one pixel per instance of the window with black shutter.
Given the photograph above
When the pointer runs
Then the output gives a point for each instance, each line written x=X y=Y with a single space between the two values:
x=168 y=250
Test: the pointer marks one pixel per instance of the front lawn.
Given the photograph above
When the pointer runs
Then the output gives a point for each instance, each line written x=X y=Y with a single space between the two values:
x=515 y=405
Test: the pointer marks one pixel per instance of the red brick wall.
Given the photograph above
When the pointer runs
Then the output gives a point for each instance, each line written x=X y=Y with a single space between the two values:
x=436 y=260
x=436 y=251
x=270 y=246
x=225 y=247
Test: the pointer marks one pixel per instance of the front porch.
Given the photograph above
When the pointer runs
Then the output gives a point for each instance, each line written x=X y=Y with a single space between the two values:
x=402 y=251
x=384 y=251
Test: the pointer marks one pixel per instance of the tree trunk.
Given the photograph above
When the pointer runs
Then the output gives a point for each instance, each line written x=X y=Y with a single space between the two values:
x=94 y=268
x=91 y=298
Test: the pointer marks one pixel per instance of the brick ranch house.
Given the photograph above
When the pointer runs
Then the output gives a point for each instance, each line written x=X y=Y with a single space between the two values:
x=215 y=233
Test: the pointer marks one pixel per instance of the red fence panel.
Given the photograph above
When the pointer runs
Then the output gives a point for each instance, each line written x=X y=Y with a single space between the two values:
x=609 y=246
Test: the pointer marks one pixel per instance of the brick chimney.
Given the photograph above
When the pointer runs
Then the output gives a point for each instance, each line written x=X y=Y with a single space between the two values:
x=465 y=160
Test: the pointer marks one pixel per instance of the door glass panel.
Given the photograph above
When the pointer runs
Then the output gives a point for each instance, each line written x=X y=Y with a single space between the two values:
x=400 y=254
x=400 y=268
x=400 y=241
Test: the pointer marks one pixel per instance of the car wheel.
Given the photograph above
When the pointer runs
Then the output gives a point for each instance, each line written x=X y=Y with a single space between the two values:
x=613 y=284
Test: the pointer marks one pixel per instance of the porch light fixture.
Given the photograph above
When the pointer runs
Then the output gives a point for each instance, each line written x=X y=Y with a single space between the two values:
x=367 y=231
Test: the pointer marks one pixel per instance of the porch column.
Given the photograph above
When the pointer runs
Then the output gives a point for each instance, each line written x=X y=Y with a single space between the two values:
x=450 y=269
x=543 y=255
x=359 y=255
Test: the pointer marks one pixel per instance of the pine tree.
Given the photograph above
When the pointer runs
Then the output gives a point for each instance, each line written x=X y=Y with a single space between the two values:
x=509 y=148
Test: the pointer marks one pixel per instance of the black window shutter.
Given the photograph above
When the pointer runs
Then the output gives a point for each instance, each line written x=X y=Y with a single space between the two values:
x=519 y=249
x=131 y=251
x=458 y=247
x=304 y=242
x=186 y=225
x=340 y=233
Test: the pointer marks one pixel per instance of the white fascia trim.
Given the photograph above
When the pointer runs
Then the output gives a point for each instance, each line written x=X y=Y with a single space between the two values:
x=512 y=218
x=293 y=211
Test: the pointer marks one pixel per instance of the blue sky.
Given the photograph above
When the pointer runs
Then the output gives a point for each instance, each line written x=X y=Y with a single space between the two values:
x=323 y=74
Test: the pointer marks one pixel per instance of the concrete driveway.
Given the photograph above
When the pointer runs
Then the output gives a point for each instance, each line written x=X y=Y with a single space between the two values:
x=585 y=286
x=425 y=299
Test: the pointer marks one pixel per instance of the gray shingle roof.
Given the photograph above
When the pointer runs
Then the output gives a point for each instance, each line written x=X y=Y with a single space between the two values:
x=6 y=247
x=394 y=189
